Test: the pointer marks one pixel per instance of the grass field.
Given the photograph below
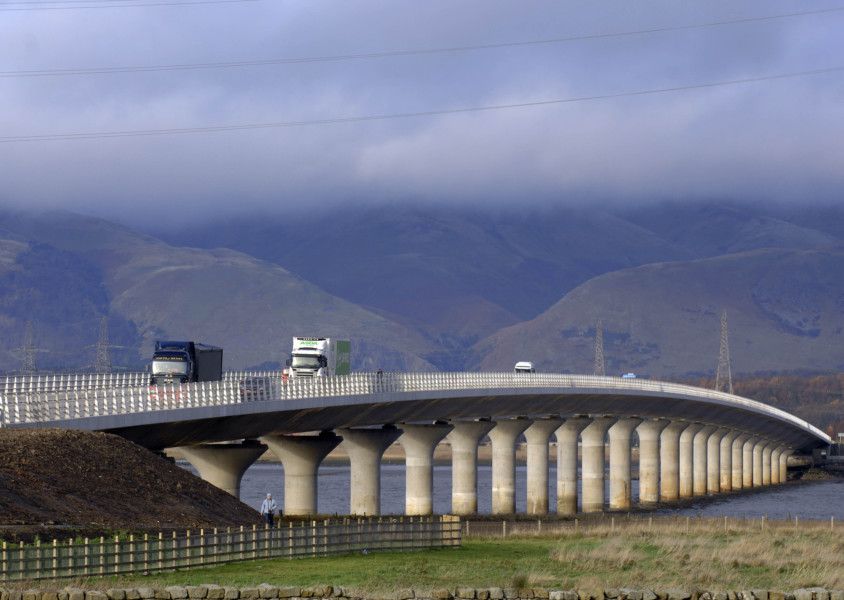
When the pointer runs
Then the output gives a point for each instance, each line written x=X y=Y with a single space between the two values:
x=658 y=556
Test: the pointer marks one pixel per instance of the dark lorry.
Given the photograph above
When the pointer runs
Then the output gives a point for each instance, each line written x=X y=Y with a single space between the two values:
x=184 y=362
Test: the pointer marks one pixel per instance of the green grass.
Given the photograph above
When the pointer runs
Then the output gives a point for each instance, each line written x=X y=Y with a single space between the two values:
x=634 y=557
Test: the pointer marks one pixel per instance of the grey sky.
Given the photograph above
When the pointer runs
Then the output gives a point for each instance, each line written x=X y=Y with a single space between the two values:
x=776 y=140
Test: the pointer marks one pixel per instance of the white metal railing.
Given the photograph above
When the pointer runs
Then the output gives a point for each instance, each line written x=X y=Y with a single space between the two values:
x=242 y=387
x=56 y=382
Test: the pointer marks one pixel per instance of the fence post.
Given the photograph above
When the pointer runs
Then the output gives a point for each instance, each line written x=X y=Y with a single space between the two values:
x=55 y=557
x=160 y=564
x=116 y=554
x=175 y=547
x=254 y=541
x=313 y=538
x=71 y=555
x=5 y=567
x=504 y=529
x=201 y=546
x=37 y=558
x=242 y=535
x=21 y=562
x=146 y=553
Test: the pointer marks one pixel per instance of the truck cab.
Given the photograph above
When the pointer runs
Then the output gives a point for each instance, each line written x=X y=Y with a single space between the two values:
x=175 y=363
x=318 y=357
x=524 y=367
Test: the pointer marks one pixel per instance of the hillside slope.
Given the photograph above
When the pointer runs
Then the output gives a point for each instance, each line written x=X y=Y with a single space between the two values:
x=250 y=307
x=74 y=479
x=784 y=307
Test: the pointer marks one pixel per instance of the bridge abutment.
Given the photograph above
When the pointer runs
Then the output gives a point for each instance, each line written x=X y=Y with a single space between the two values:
x=223 y=465
x=503 y=437
x=592 y=446
x=300 y=456
x=620 y=435
x=365 y=448
x=419 y=442
x=649 y=460
x=538 y=436
x=567 y=435
x=464 y=440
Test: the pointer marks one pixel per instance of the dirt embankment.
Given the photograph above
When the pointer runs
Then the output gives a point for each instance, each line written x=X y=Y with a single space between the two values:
x=55 y=481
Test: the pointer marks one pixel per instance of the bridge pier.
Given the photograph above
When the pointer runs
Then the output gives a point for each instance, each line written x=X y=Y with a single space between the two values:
x=538 y=436
x=464 y=440
x=699 y=456
x=775 y=465
x=503 y=437
x=757 y=462
x=766 y=463
x=738 y=461
x=649 y=464
x=301 y=455
x=419 y=442
x=687 y=453
x=365 y=448
x=620 y=434
x=713 y=461
x=567 y=435
x=783 y=466
x=669 y=461
x=592 y=445
x=726 y=458
x=223 y=465
x=747 y=462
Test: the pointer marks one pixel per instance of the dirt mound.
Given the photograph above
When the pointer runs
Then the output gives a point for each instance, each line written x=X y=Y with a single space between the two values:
x=75 y=480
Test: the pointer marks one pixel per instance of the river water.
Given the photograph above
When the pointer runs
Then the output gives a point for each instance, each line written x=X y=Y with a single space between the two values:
x=807 y=500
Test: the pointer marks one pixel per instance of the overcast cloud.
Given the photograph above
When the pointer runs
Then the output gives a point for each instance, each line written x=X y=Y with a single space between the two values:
x=776 y=140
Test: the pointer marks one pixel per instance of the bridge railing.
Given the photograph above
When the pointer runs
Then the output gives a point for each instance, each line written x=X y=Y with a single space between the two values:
x=57 y=382
x=244 y=387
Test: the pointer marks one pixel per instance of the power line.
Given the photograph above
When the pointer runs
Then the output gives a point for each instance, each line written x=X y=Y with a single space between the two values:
x=395 y=53
x=405 y=115
x=87 y=4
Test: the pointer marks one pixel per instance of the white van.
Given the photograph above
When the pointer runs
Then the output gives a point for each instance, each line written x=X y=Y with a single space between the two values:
x=524 y=367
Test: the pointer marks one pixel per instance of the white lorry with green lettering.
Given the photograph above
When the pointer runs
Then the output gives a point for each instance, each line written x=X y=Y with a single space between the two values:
x=319 y=357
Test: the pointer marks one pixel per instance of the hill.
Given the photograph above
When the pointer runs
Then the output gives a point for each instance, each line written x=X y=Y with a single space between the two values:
x=70 y=480
x=250 y=307
x=662 y=320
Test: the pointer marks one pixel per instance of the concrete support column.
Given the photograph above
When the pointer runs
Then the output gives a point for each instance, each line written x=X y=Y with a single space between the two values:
x=223 y=465
x=567 y=435
x=747 y=462
x=301 y=455
x=464 y=440
x=726 y=455
x=503 y=437
x=784 y=464
x=766 y=463
x=713 y=461
x=757 y=462
x=687 y=439
x=537 y=436
x=592 y=445
x=669 y=461
x=620 y=434
x=365 y=448
x=649 y=433
x=699 y=455
x=738 y=461
x=419 y=442
x=775 y=465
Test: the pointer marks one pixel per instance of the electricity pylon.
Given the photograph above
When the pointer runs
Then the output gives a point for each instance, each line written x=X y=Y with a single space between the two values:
x=600 y=367
x=724 y=375
x=102 y=362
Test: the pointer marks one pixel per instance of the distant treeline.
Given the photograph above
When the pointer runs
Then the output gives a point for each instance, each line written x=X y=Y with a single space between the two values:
x=817 y=398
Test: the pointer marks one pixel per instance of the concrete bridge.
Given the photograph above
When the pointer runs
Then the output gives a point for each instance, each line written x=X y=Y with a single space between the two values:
x=692 y=441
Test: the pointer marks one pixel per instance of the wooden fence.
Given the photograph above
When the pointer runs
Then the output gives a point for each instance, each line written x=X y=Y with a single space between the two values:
x=147 y=553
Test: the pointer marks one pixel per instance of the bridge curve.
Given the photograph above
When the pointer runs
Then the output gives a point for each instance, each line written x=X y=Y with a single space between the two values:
x=692 y=441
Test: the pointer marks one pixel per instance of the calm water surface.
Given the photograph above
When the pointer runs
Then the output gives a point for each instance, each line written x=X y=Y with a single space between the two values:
x=815 y=500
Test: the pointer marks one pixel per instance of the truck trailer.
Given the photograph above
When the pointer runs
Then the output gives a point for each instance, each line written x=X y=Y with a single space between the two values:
x=319 y=357
x=185 y=362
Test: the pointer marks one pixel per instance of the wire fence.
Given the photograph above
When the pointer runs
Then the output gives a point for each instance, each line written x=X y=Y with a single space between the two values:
x=239 y=387
x=148 y=553
x=633 y=524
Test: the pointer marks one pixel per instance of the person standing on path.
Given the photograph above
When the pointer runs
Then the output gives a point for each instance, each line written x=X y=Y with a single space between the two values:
x=268 y=508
